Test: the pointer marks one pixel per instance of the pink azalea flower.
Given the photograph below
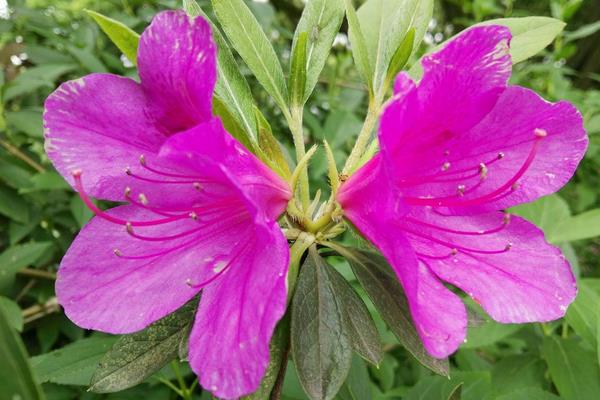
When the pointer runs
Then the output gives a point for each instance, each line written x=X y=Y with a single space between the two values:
x=200 y=215
x=456 y=148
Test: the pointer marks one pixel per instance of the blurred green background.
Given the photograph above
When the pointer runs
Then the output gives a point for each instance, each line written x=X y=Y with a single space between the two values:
x=43 y=43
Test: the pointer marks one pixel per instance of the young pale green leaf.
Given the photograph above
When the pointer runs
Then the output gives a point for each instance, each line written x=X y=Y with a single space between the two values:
x=385 y=24
x=231 y=90
x=359 y=45
x=135 y=357
x=332 y=171
x=270 y=150
x=73 y=364
x=192 y=8
x=400 y=57
x=248 y=38
x=278 y=349
x=320 y=20
x=582 y=314
x=358 y=324
x=298 y=70
x=384 y=289
x=530 y=35
x=547 y=213
x=16 y=379
x=122 y=36
x=321 y=350
x=574 y=370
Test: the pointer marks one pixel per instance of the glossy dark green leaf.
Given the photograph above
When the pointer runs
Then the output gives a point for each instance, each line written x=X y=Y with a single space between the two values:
x=248 y=38
x=320 y=20
x=574 y=370
x=298 y=70
x=122 y=36
x=358 y=324
x=321 y=350
x=135 y=357
x=16 y=379
x=384 y=289
x=73 y=364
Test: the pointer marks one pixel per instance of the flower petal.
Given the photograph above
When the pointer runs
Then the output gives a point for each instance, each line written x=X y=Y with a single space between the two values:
x=97 y=124
x=523 y=149
x=177 y=67
x=461 y=83
x=531 y=281
x=372 y=206
x=214 y=153
x=104 y=292
x=229 y=343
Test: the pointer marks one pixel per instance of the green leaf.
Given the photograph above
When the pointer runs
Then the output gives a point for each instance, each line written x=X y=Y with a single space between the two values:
x=359 y=45
x=73 y=364
x=122 y=36
x=357 y=385
x=574 y=371
x=582 y=226
x=135 y=357
x=385 y=24
x=13 y=313
x=400 y=57
x=87 y=59
x=582 y=314
x=332 y=171
x=48 y=180
x=28 y=121
x=250 y=41
x=321 y=350
x=517 y=372
x=473 y=385
x=320 y=21
x=358 y=324
x=35 y=78
x=13 y=206
x=298 y=71
x=18 y=257
x=384 y=289
x=584 y=31
x=16 y=380
x=231 y=89
x=530 y=35
x=192 y=8
x=528 y=394
x=270 y=150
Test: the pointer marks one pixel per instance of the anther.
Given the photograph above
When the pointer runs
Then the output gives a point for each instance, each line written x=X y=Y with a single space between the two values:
x=117 y=252
x=188 y=282
x=506 y=219
x=143 y=160
x=76 y=173
x=143 y=199
x=197 y=185
x=193 y=215
x=127 y=192
x=500 y=156
x=483 y=170
x=515 y=186
x=508 y=246
x=541 y=133
x=453 y=252
x=129 y=228
x=445 y=166
x=461 y=190
x=447 y=152
x=128 y=171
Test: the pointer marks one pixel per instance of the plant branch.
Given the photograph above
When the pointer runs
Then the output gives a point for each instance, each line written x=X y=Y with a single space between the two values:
x=363 y=137
x=15 y=151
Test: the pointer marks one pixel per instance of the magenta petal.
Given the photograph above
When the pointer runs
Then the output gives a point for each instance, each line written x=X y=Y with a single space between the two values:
x=215 y=154
x=101 y=291
x=97 y=124
x=177 y=67
x=510 y=270
x=229 y=343
x=369 y=203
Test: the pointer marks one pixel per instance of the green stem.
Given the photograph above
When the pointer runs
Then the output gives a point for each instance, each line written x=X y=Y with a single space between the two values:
x=185 y=393
x=295 y=123
x=363 y=137
x=302 y=243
